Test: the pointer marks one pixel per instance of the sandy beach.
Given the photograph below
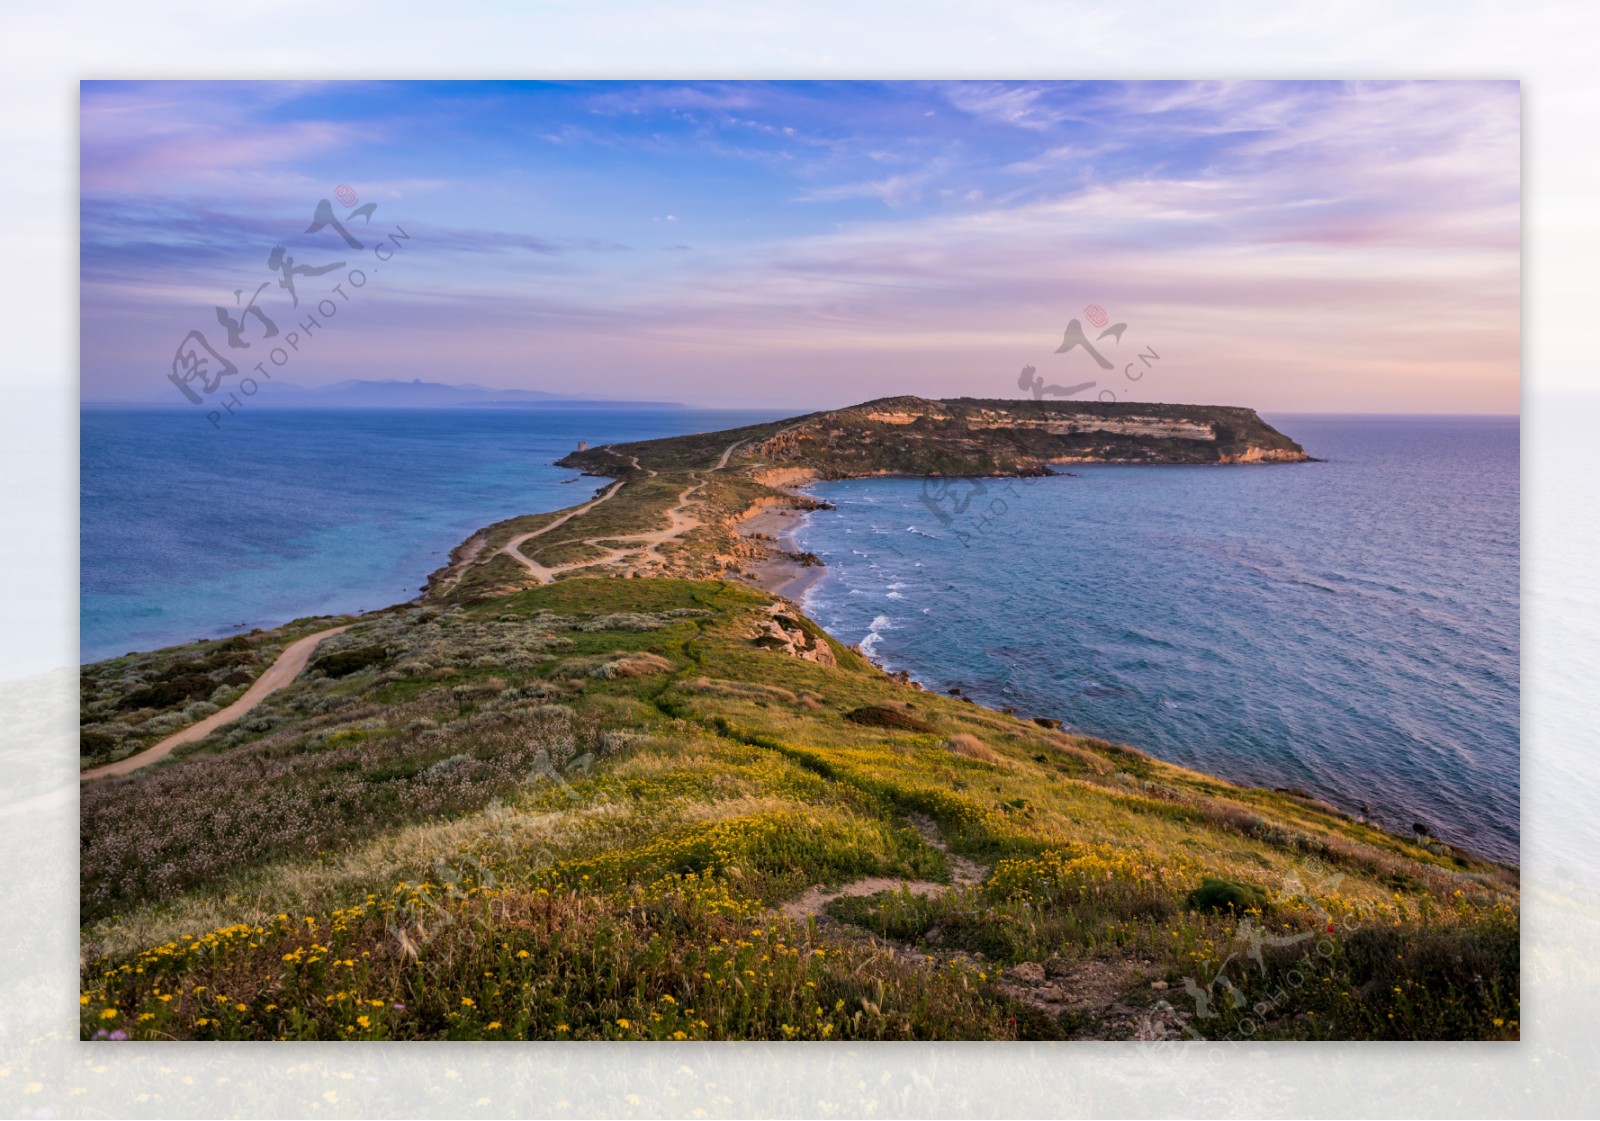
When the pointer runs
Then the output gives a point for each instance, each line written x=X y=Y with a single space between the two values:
x=780 y=574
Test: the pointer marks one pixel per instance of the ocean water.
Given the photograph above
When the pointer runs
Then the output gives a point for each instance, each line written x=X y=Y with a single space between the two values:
x=1349 y=627
x=193 y=532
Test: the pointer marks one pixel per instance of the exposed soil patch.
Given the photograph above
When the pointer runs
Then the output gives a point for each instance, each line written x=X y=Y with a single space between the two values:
x=964 y=871
x=813 y=901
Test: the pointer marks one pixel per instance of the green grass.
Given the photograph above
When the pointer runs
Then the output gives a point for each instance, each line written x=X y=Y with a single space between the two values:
x=497 y=787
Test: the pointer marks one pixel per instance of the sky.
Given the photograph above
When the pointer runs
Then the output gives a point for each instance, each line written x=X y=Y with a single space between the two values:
x=1288 y=246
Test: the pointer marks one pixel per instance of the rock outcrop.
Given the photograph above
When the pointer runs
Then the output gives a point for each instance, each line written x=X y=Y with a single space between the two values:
x=787 y=635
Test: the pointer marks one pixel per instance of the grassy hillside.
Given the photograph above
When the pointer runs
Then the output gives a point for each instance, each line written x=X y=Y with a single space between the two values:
x=545 y=802
x=580 y=811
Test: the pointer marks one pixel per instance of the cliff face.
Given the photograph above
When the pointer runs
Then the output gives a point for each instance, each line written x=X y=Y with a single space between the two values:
x=971 y=436
x=967 y=436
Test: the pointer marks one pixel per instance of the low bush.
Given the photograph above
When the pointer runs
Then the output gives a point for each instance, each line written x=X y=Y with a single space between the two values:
x=1216 y=894
x=346 y=662
x=880 y=716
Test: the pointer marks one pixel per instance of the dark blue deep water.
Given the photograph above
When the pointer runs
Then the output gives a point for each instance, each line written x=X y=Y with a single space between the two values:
x=1349 y=627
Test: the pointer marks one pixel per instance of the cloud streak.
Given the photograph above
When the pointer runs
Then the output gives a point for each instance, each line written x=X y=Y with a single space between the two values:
x=1336 y=246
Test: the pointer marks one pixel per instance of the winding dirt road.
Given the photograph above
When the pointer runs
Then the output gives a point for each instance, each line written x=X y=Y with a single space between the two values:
x=277 y=675
x=294 y=657
x=540 y=572
x=679 y=522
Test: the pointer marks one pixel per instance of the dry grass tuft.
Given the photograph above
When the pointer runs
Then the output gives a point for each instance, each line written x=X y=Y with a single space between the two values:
x=633 y=665
x=971 y=747
x=719 y=688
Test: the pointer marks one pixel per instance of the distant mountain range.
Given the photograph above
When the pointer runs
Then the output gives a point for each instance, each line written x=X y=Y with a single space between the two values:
x=418 y=394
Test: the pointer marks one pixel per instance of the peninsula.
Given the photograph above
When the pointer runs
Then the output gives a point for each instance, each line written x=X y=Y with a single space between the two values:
x=599 y=781
x=710 y=486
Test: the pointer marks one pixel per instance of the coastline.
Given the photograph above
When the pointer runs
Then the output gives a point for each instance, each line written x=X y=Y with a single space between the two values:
x=769 y=528
x=772 y=527
x=764 y=552
x=779 y=573
x=822 y=786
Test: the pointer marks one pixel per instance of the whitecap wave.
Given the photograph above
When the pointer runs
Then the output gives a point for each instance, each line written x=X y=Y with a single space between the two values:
x=875 y=632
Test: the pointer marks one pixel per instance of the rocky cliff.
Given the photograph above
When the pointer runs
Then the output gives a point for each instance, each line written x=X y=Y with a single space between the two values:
x=972 y=436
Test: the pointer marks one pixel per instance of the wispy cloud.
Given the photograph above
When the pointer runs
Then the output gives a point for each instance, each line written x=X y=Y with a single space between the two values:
x=1308 y=245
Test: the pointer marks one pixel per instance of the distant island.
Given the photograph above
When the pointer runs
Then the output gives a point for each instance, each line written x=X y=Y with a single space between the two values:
x=604 y=779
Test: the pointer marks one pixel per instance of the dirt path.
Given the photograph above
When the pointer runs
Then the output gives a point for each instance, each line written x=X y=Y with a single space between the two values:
x=679 y=522
x=278 y=674
x=963 y=873
x=458 y=567
x=540 y=572
x=1114 y=994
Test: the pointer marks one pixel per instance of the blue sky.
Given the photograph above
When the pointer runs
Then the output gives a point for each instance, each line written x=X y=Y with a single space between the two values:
x=1290 y=246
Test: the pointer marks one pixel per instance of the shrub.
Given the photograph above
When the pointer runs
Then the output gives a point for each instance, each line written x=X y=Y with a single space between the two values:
x=878 y=716
x=173 y=691
x=447 y=767
x=96 y=743
x=623 y=621
x=346 y=662
x=1217 y=894
x=634 y=665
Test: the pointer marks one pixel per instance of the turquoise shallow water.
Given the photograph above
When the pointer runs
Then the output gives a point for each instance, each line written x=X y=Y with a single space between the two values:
x=1350 y=627
x=188 y=530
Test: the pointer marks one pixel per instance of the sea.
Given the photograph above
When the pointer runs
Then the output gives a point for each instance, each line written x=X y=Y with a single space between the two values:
x=190 y=530
x=1348 y=627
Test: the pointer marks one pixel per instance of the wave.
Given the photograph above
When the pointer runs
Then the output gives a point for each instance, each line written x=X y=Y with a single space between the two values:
x=875 y=631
